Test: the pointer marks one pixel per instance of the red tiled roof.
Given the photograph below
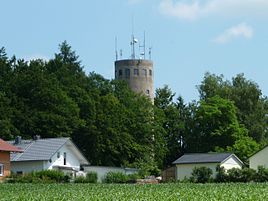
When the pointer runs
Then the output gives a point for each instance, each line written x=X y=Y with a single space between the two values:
x=4 y=146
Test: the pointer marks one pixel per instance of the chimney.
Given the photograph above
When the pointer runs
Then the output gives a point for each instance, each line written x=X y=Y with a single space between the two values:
x=18 y=140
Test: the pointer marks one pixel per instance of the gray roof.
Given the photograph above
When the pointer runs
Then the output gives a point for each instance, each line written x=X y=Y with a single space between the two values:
x=203 y=158
x=41 y=149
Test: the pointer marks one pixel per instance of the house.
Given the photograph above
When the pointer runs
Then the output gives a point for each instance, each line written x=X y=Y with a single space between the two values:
x=5 y=150
x=46 y=154
x=260 y=158
x=186 y=163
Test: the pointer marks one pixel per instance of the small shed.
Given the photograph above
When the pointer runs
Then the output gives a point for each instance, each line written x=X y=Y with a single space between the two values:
x=186 y=163
x=5 y=150
x=260 y=158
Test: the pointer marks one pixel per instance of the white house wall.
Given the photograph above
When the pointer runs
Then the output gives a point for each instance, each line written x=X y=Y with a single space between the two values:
x=71 y=159
x=27 y=166
x=230 y=163
x=185 y=170
x=102 y=170
x=259 y=159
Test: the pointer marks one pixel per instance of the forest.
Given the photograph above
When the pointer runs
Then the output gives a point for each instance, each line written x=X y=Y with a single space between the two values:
x=113 y=126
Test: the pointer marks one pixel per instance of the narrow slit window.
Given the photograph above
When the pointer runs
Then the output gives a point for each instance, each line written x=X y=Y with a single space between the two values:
x=65 y=158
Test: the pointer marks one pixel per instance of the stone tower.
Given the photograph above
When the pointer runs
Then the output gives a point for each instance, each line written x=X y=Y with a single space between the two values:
x=138 y=73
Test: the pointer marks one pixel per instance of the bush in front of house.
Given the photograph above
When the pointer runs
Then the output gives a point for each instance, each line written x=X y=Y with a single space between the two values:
x=92 y=177
x=201 y=175
x=241 y=175
x=115 y=177
x=44 y=176
x=261 y=174
x=51 y=175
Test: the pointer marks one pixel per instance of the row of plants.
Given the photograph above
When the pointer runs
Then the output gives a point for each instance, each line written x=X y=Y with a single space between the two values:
x=54 y=176
x=44 y=176
x=204 y=175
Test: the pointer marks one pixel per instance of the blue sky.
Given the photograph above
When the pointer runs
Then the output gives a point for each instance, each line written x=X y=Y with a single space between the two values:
x=188 y=37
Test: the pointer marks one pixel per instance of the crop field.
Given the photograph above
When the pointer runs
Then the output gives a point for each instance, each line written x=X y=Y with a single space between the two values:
x=200 y=192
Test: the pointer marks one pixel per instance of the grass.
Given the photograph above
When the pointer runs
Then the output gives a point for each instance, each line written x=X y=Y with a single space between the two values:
x=198 y=192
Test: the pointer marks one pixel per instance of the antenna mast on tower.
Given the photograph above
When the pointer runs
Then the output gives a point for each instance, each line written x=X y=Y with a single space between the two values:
x=116 y=53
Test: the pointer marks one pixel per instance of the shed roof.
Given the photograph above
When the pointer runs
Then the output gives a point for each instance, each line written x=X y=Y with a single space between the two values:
x=5 y=146
x=203 y=158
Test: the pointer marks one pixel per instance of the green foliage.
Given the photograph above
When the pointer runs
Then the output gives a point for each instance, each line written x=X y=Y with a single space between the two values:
x=92 y=177
x=262 y=174
x=247 y=97
x=201 y=174
x=115 y=177
x=44 y=176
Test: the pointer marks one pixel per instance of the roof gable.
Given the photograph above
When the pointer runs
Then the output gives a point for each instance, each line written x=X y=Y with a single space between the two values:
x=41 y=149
x=5 y=146
x=202 y=158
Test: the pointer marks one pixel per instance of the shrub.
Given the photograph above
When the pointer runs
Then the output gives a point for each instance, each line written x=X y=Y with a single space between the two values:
x=241 y=175
x=92 y=177
x=44 y=176
x=51 y=175
x=80 y=179
x=234 y=175
x=248 y=175
x=132 y=178
x=221 y=175
x=261 y=175
x=201 y=174
x=115 y=177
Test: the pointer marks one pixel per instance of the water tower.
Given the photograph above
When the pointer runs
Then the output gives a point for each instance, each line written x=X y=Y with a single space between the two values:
x=137 y=72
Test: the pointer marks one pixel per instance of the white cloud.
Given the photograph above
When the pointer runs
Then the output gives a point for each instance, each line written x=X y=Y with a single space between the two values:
x=241 y=30
x=194 y=9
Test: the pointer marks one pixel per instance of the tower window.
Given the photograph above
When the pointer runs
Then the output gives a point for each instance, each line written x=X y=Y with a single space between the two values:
x=136 y=71
x=144 y=72
x=148 y=92
x=150 y=72
x=120 y=73
x=127 y=72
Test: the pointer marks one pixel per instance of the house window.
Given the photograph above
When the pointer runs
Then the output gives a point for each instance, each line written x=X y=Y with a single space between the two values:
x=58 y=155
x=136 y=71
x=64 y=160
x=150 y=72
x=144 y=72
x=1 y=170
x=127 y=72
x=120 y=73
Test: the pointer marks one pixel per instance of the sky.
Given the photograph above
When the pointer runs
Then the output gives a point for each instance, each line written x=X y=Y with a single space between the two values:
x=188 y=37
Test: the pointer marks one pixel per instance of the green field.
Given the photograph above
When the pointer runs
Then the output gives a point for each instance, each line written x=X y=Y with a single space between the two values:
x=133 y=192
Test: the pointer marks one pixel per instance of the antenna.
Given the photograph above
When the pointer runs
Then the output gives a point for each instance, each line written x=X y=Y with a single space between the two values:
x=143 y=46
x=121 y=53
x=133 y=41
x=150 y=52
x=116 y=53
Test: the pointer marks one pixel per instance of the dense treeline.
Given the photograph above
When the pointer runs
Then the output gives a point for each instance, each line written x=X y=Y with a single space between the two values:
x=114 y=126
